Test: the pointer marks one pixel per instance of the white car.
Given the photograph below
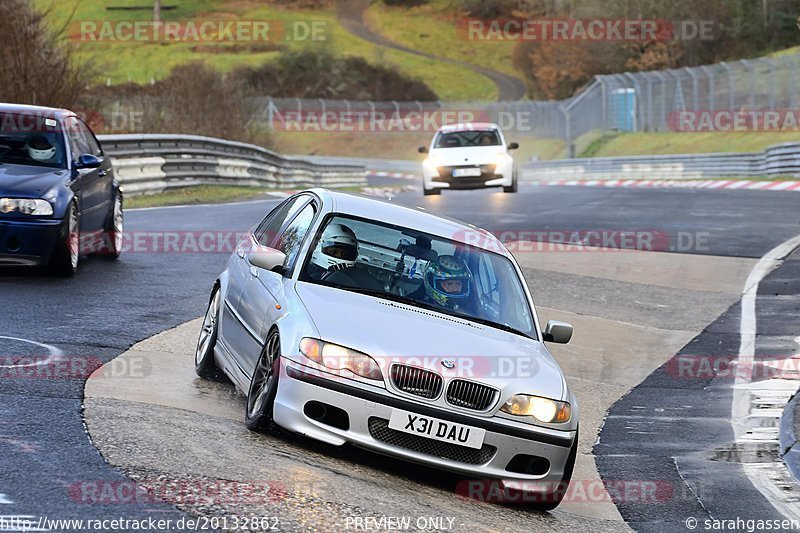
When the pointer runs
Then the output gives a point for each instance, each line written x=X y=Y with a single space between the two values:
x=352 y=320
x=468 y=156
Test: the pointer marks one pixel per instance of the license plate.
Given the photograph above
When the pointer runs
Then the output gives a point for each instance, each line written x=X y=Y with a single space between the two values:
x=436 y=429
x=466 y=172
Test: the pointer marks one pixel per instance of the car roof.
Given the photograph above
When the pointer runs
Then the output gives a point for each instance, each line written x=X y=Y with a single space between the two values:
x=415 y=219
x=46 y=112
x=469 y=126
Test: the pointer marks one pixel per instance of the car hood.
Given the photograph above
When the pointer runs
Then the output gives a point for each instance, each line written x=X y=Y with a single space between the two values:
x=396 y=332
x=473 y=155
x=25 y=181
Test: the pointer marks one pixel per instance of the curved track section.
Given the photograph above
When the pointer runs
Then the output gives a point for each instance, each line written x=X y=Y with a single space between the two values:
x=632 y=311
x=351 y=16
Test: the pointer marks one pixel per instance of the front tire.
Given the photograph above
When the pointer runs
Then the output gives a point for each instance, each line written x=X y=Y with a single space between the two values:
x=264 y=387
x=513 y=187
x=556 y=498
x=114 y=230
x=66 y=254
x=204 y=365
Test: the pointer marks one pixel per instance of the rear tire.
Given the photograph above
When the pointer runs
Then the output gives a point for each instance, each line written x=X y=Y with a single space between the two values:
x=66 y=254
x=264 y=387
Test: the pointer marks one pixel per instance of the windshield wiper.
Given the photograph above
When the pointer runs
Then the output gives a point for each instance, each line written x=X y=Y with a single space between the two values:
x=490 y=323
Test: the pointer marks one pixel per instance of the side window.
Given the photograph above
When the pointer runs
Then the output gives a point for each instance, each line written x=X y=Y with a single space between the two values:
x=292 y=237
x=91 y=140
x=78 y=144
x=271 y=225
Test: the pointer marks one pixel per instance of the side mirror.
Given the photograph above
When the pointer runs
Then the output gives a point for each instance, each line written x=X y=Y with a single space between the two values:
x=513 y=146
x=88 y=161
x=423 y=149
x=558 y=332
x=267 y=258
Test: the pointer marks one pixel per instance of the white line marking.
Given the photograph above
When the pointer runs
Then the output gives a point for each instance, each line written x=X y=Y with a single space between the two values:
x=4 y=499
x=760 y=475
x=55 y=353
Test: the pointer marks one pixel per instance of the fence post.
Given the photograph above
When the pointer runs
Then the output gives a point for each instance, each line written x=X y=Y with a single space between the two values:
x=635 y=101
x=751 y=71
x=711 y=89
x=567 y=132
x=731 y=93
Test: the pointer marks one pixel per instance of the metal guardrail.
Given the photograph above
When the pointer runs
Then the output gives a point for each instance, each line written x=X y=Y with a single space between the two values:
x=779 y=160
x=149 y=164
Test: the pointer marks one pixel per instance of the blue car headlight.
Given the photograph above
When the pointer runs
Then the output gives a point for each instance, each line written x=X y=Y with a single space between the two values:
x=26 y=206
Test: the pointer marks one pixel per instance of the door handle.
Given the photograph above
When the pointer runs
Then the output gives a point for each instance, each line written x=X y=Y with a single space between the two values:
x=102 y=173
x=254 y=271
x=240 y=253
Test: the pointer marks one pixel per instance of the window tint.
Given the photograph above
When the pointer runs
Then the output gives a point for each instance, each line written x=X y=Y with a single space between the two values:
x=91 y=140
x=77 y=140
x=292 y=237
x=269 y=228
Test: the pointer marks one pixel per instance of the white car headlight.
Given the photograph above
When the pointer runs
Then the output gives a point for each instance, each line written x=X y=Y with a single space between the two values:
x=501 y=158
x=26 y=206
x=542 y=409
x=338 y=357
x=430 y=165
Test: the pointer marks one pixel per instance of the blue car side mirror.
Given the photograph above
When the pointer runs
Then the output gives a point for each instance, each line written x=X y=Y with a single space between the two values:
x=88 y=161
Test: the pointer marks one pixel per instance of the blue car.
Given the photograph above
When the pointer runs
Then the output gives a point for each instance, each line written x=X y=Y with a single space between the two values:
x=58 y=194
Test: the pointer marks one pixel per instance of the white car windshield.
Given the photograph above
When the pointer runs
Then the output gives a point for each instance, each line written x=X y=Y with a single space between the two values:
x=461 y=139
x=419 y=269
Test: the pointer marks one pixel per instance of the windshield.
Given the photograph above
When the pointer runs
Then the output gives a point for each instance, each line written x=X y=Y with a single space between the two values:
x=419 y=269
x=31 y=140
x=460 y=139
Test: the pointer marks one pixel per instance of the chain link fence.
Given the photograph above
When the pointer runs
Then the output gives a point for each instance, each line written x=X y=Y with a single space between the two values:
x=706 y=98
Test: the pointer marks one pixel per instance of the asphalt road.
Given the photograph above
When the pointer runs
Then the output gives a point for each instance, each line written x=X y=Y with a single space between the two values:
x=109 y=306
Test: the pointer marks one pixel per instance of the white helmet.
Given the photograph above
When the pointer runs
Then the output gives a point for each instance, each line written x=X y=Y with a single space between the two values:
x=41 y=149
x=337 y=249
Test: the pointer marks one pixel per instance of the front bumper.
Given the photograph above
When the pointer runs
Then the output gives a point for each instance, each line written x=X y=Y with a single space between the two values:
x=369 y=410
x=491 y=176
x=28 y=242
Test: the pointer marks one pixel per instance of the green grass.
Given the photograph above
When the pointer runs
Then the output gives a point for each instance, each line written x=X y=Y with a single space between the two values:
x=691 y=143
x=144 y=61
x=202 y=194
x=432 y=28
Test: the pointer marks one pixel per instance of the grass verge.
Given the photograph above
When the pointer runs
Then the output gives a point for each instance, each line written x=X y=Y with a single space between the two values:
x=202 y=194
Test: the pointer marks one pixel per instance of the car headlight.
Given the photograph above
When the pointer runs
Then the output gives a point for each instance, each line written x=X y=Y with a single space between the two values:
x=26 y=206
x=430 y=165
x=338 y=357
x=542 y=409
x=501 y=158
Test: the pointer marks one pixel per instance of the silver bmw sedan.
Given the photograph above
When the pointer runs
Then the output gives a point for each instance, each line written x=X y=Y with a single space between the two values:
x=356 y=321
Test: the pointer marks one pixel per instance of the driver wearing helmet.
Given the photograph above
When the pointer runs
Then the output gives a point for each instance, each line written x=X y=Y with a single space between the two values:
x=334 y=260
x=40 y=149
x=337 y=250
x=447 y=283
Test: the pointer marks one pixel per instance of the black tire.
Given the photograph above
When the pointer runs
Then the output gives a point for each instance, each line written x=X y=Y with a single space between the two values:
x=514 y=183
x=430 y=192
x=113 y=230
x=66 y=254
x=555 y=499
x=204 y=365
x=264 y=387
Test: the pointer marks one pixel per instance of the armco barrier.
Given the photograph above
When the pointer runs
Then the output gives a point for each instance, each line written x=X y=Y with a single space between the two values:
x=148 y=164
x=780 y=160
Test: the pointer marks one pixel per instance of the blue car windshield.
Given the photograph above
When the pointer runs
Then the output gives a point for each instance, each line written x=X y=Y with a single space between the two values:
x=31 y=140
x=421 y=270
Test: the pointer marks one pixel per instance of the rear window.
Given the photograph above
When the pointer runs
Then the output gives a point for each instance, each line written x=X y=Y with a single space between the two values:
x=31 y=140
